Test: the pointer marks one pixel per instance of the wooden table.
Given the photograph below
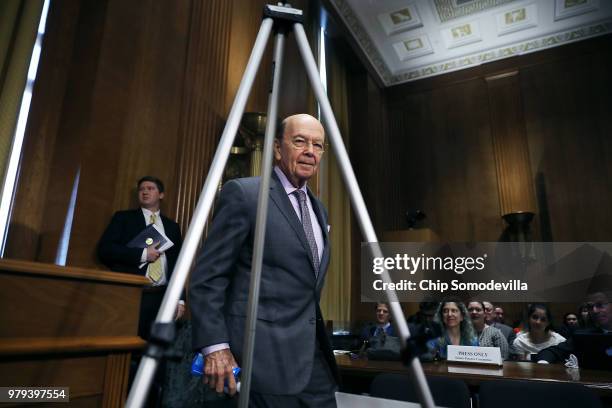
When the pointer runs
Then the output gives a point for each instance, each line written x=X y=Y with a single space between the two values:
x=358 y=373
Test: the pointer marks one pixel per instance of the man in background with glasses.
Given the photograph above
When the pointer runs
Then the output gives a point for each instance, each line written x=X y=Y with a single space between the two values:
x=292 y=364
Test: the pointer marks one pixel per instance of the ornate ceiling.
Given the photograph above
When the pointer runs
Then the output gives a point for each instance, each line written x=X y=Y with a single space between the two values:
x=406 y=40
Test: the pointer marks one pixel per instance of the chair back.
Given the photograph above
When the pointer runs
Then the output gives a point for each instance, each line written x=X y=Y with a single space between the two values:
x=537 y=394
x=446 y=392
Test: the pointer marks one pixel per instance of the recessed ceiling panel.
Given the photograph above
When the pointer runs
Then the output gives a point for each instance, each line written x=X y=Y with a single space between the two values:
x=406 y=40
x=517 y=19
x=413 y=47
x=397 y=21
x=451 y=9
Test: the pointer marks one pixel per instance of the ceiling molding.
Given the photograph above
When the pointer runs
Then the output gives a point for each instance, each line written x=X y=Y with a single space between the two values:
x=426 y=41
x=451 y=9
x=363 y=39
x=513 y=50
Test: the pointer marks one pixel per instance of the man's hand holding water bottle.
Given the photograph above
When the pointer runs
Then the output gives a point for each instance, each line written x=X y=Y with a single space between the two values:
x=218 y=371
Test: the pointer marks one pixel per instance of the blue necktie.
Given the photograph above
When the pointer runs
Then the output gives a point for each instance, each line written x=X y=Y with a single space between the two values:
x=306 y=223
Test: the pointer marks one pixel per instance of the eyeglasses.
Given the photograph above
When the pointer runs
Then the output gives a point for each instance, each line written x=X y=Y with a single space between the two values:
x=597 y=305
x=302 y=144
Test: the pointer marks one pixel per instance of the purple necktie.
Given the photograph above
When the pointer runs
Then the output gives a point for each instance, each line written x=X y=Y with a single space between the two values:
x=306 y=223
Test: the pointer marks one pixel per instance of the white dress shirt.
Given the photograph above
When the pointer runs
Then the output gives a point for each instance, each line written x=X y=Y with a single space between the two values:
x=289 y=189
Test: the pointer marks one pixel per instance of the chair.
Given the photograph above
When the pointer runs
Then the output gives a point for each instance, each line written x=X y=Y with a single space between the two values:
x=538 y=394
x=447 y=392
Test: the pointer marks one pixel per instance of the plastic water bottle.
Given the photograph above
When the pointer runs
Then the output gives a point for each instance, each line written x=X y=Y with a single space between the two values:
x=197 y=369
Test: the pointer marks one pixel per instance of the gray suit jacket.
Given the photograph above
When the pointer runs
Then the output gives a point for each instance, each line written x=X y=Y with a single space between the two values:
x=507 y=331
x=289 y=321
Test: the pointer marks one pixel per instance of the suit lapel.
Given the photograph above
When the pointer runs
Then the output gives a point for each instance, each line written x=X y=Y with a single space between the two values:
x=140 y=220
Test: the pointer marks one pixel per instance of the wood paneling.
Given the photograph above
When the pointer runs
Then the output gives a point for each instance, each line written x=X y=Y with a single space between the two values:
x=45 y=120
x=64 y=303
x=77 y=329
x=443 y=160
x=116 y=380
x=82 y=373
x=568 y=124
x=56 y=345
x=203 y=99
x=511 y=153
x=468 y=146
x=125 y=90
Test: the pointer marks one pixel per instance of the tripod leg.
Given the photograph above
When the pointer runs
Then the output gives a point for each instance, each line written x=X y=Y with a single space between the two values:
x=260 y=224
x=350 y=181
x=148 y=365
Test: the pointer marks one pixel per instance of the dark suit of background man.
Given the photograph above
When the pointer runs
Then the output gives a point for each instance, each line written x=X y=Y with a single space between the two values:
x=292 y=364
x=115 y=253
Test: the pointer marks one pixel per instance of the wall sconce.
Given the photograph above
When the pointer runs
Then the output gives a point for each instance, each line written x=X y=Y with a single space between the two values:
x=253 y=130
x=519 y=231
x=413 y=217
x=247 y=151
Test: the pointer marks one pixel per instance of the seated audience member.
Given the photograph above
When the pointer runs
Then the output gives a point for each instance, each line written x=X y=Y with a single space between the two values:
x=499 y=315
x=538 y=334
x=600 y=315
x=382 y=325
x=457 y=329
x=426 y=313
x=570 y=323
x=490 y=319
x=488 y=336
x=584 y=317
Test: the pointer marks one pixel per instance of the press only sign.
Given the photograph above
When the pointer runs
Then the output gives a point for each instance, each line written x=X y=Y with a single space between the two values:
x=475 y=355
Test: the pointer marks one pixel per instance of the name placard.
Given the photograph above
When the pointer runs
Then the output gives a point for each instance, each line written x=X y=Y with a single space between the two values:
x=476 y=355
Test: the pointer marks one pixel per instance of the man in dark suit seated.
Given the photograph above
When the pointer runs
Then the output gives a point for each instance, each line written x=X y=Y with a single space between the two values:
x=155 y=265
x=600 y=314
x=383 y=323
x=292 y=363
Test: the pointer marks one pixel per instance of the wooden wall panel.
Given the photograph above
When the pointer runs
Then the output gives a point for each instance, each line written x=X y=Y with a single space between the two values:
x=511 y=152
x=568 y=124
x=444 y=162
x=369 y=154
x=134 y=116
x=83 y=372
x=125 y=90
x=295 y=95
x=44 y=125
x=202 y=105
x=454 y=146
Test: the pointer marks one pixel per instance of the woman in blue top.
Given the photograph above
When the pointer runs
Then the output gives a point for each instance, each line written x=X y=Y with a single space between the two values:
x=457 y=328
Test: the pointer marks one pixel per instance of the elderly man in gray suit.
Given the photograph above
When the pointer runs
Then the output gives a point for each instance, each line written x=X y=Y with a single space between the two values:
x=293 y=365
